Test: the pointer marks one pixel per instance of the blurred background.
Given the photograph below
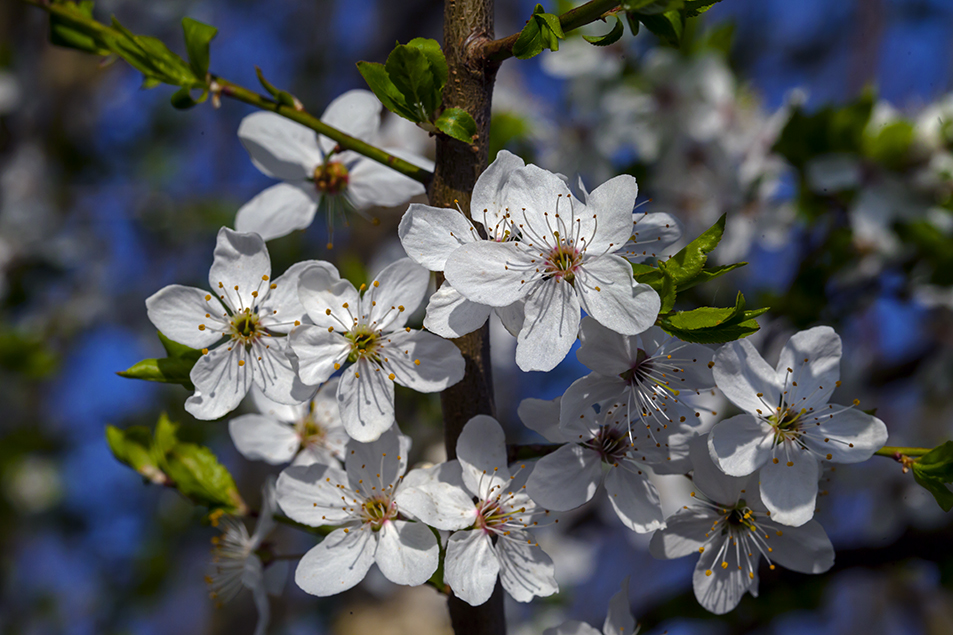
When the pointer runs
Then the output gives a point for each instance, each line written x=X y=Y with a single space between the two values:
x=823 y=130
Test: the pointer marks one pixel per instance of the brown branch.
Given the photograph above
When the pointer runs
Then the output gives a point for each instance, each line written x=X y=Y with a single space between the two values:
x=496 y=51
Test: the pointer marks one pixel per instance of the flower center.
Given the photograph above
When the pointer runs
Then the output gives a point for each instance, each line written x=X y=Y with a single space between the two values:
x=378 y=510
x=611 y=444
x=245 y=327
x=786 y=424
x=640 y=369
x=740 y=517
x=331 y=178
x=491 y=515
x=311 y=432
x=562 y=263
x=364 y=343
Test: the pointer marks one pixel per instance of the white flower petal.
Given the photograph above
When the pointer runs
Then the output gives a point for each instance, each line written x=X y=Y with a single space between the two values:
x=356 y=112
x=423 y=361
x=619 y=619
x=608 y=293
x=572 y=627
x=281 y=148
x=430 y=234
x=565 y=479
x=526 y=571
x=282 y=307
x=481 y=450
x=279 y=210
x=684 y=534
x=374 y=465
x=394 y=294
x=612 y=202
x=319 y=352
x=511 y=317
x=790 y=492
x=220 y=382
x=741 y=373
x=634 y=498
x=372 y=184
x=407 y=553
x=311 y=494
x=266 y=515
x=178 y=312
x=338 y=562
x=471 y=566
x=718 y=588
x=451 y=315
x=261 y=438
x=436 y=496
x=741 y=444
x=240 y=267
x=814 y=356
x=847 y=436
x=488 y=201
x=720 y=488
x=542 y=416
x=489 y=272
x=604 y=350
x=366 y=400
x=533 y=192
x=576 y=412
x=550 y=326
x=805 y=549
x=285 y=413
x=275 y=372
x=321 y=289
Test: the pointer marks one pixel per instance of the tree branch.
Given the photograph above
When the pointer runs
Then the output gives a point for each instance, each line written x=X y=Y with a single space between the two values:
x=499 y=50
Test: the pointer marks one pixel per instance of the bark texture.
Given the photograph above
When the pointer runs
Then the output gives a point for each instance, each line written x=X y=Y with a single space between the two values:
x=470 y=86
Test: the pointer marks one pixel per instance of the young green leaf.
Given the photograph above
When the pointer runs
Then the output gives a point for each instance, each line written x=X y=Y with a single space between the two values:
x=652 y=7
x=667 y=26
x=658 y=280
x=543 y=30
x=710 y=325
x=134 y=447
x=933 y=470
x=694 y=8
x=458 y=124
x=198 y=475
x=168 y=370
x=434 y=54
x=72 y=34
x=197 y=38
x=688 y=263
x=379 y=82
x=410 y=71
x=609 y=38
x=709 y=274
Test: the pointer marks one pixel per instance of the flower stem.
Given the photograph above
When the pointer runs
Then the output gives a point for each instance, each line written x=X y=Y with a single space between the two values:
x=219 y=86
x=893 y=452
x=499 y=50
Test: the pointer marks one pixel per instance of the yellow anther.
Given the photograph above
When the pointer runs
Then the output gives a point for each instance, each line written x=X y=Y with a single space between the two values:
x=201 y=327
x=241 y=362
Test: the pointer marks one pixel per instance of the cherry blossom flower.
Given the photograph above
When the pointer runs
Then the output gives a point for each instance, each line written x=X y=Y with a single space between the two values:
x=597 y=449
x=430 y=234
x=314 y=170
x=619 y=619
x=369 y=331
x=309 y=432
x=649 y=375
x=561 y=259
x=236 y=563
x=490 y=536
x=789 y=428
x=240 y=327
x=731 y=529
x=361 y=501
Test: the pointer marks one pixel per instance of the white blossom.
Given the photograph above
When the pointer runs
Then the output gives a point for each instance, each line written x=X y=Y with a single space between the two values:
x=314 y=170
x=789 y=429
x=236 y=563
x=596 y=449
x=490 y=539
x=430 y=234
x=361 y=501
x=309 y=432
x=241 y=327
x=650 y=375
x=731 y=530
x=369 y=331
x=561 y=259
x=619 y=619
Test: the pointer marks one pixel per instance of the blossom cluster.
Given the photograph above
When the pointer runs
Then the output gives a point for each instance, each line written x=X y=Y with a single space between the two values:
x=321 y=358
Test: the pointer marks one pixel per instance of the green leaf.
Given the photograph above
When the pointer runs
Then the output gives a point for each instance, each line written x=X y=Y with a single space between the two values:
x=890 y=145
x=182 y=99
x=133 y=447
x=688 y=263
x=652 y=7
x=410 y=71
x=197 y=38
x=199 y=476
x=379 y=82
x=694 y=8
x=458 y=124
x=543 y=30
x=74 y=35
x=658 y=280
x=709 y=274
x=168 y=370
x=933 y=470
x=434 y=54
x=711 y=325
x=151 y=57
x=633 y=21
x=667 y=26
x=827 y=130
x=609 y=38
x=174 y=349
